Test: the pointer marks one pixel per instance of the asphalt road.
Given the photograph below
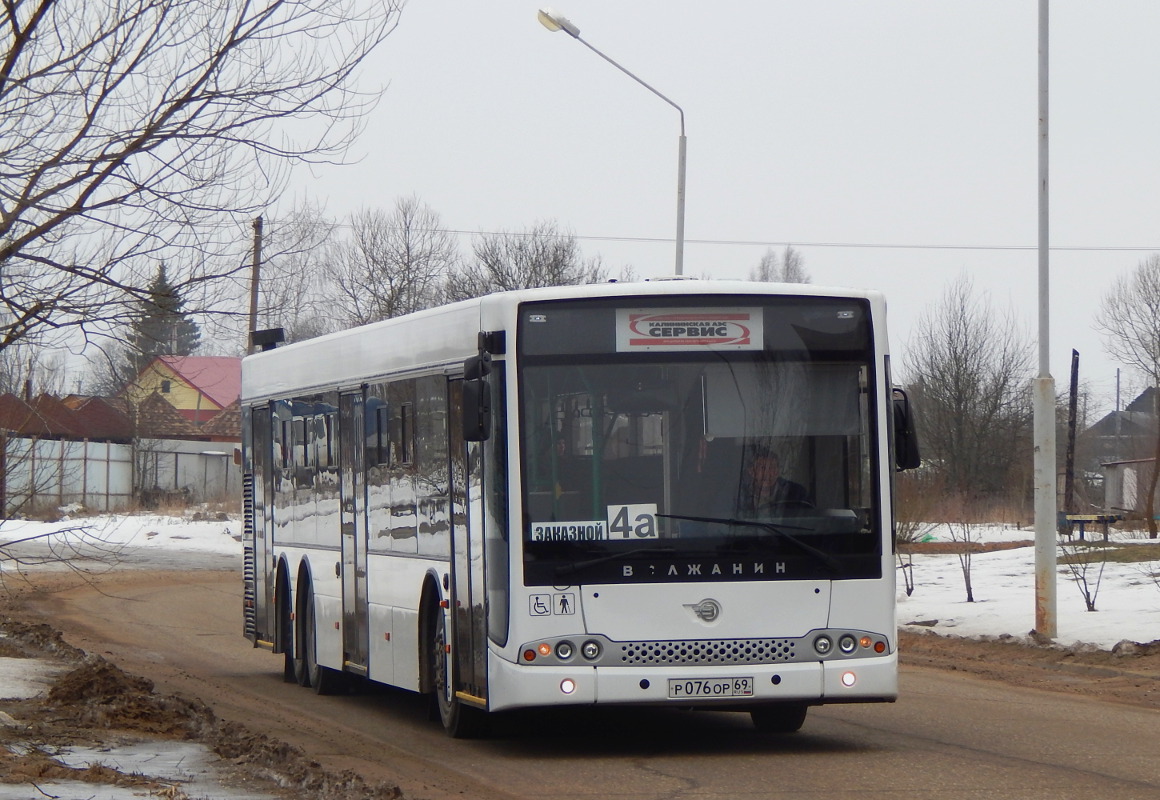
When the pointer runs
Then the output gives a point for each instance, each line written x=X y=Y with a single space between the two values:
x=949 y=736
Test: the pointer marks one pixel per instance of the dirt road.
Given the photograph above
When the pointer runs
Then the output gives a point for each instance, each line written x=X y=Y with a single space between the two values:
x=183 y=631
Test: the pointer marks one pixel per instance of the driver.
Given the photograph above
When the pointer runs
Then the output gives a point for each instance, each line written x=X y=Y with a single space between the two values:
x=764 y=490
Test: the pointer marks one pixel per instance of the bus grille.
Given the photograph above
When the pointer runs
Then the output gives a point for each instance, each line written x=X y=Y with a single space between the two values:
x=708 y=651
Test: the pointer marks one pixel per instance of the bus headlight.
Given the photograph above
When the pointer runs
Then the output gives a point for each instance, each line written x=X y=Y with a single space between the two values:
x=565 y=650
x=847 y=644
x=823 y=645
x=590 y=650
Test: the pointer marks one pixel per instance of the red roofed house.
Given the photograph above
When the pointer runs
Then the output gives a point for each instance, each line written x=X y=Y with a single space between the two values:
x=199 y=387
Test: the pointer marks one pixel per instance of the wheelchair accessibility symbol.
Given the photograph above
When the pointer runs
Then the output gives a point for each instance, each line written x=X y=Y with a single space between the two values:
x=541 y=605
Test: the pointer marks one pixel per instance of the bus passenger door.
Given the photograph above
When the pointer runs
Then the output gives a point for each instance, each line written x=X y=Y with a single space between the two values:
x=469 y=633
x=352 y=492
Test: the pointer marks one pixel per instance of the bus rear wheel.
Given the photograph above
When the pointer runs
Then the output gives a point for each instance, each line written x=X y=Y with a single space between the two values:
x=459 y=720
x=781 y=718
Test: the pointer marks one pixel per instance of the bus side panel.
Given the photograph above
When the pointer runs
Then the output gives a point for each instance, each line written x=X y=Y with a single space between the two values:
x=327 y=589
x=395 y=587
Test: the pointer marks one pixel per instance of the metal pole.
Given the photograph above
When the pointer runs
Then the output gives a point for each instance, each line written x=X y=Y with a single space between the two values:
x=1069 y=458
x=681 y=201
x=1044 y=388
x=680 y=264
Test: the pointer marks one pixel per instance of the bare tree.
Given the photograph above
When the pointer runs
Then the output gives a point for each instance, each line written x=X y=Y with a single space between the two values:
x=294 y=285
x=27 y=369
x=969 y=375
x=790 y=268
x=131 y=130
x=1129 y=317
x=540 y=256
x=391 y=264
x=1079 y=558
x=964 y=536
x=915 y=497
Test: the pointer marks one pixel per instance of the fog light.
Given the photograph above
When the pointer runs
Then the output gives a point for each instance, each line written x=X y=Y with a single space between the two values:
x=565 y=650
x=847 y=644
x=567 y=686
x=590 y=650
x=823 y=645
x=849 y=679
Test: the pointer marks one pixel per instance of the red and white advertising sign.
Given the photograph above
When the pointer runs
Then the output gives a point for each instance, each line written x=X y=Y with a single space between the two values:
x=643 y=329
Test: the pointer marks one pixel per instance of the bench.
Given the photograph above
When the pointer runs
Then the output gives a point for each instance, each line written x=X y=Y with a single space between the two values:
x=1069 y=522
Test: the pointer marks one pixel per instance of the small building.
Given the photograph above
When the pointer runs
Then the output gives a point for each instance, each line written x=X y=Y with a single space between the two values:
x=199 y=387
x=1126 y=485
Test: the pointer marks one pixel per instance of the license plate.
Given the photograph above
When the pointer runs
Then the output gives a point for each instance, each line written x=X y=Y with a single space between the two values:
x=708 y=688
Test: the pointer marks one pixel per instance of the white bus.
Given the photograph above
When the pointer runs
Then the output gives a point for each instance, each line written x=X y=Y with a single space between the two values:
x=562 y=496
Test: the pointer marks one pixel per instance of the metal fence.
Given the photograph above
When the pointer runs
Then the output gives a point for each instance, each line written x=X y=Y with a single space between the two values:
x=43 y=474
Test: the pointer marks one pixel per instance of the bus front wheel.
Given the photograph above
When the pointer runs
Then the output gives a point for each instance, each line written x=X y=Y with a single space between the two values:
x=459 y=720
x=781 y=718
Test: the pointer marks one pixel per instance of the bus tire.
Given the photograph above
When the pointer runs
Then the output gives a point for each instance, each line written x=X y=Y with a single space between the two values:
x=459 y=721
x=290 y=668
x=323 y=680
x=780 y=718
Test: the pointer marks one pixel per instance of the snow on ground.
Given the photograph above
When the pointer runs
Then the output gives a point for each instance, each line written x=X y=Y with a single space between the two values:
x=1127 y=599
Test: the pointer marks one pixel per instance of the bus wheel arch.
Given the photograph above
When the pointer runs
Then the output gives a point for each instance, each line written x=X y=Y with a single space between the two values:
x=304 y=595
x=460 y=721
x=429 y=615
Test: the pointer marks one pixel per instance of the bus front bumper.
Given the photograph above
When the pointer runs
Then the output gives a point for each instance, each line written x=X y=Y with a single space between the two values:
x=865 y=680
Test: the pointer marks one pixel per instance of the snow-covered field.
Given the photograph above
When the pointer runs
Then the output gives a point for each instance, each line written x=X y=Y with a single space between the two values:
x=1127 y=598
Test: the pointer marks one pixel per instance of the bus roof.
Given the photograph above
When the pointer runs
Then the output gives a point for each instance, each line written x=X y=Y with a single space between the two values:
x=447 y=334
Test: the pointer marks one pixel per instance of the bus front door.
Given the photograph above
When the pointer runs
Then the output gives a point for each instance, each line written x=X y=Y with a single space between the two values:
x=352 y=490
x=469 y=633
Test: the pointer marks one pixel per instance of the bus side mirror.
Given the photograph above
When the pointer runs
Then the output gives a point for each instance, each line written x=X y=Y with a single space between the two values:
x=476 y=398
x=906 y=455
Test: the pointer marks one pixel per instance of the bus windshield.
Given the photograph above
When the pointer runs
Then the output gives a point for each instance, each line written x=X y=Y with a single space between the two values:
x=710 y=464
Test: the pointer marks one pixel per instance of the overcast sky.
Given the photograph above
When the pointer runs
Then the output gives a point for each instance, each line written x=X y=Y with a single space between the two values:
x=893 y=142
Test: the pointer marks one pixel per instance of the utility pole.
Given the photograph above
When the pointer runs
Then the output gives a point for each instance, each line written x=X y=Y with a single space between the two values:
x=255 y=270
x=1046 y=501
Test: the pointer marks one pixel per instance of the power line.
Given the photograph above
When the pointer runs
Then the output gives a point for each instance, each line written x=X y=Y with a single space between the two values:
x=765 y=243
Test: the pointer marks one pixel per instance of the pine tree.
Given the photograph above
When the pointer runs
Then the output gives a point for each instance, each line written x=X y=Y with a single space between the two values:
x=161 y=328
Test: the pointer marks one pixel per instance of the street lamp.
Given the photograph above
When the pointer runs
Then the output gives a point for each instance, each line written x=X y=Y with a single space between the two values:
x=556 y=22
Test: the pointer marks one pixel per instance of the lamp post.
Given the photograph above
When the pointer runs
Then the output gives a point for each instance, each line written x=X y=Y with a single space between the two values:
x=556 y=22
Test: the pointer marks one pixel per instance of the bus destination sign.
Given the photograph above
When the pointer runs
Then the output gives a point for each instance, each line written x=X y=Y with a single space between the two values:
x=668 y=329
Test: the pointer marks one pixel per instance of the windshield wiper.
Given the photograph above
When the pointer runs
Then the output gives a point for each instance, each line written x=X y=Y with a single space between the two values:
x=779 y=530
x=568 y=569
